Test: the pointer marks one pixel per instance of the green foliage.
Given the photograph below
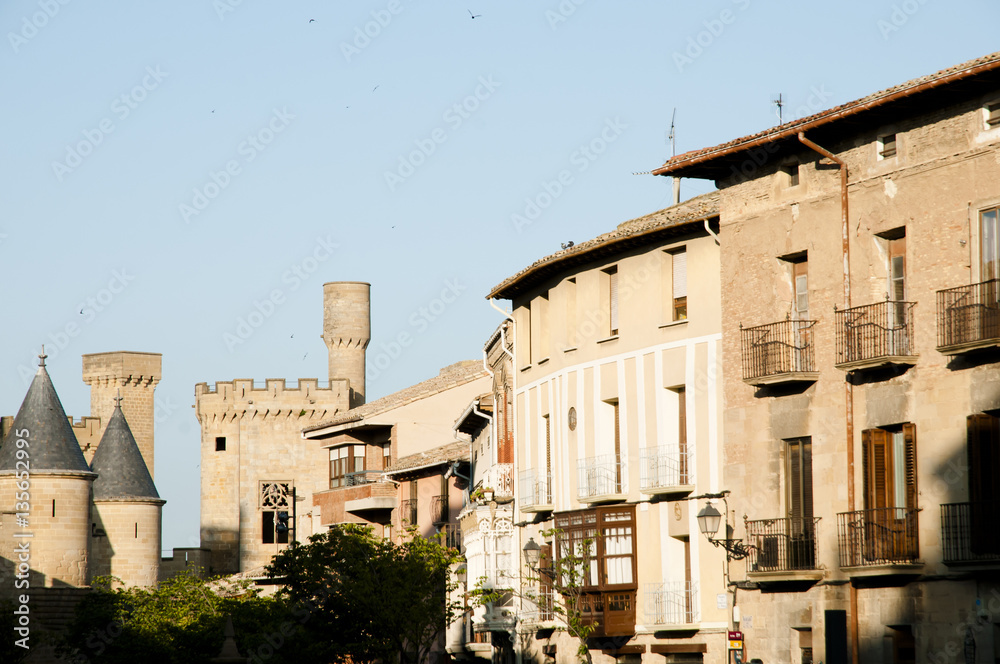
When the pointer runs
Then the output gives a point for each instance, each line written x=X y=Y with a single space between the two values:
x=378 y=598
x=179 y=622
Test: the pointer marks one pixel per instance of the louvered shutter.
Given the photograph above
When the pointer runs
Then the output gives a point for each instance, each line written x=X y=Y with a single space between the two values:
x=613 y=284
x=807 y=491
x=877 y=475
x=910 y=442
x=795 y=481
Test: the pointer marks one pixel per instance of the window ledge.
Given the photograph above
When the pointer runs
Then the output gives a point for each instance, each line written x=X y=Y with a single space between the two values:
x=569 y=350
x=611 y=338
x=673 y=323
x=542 y=361
x=525 y=367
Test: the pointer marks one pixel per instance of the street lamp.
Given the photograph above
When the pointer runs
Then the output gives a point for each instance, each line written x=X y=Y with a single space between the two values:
x=532 y=552
x=709 y=520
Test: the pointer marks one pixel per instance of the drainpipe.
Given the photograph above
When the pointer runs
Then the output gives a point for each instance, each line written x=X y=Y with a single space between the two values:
x=848 y=387
x=714 y=235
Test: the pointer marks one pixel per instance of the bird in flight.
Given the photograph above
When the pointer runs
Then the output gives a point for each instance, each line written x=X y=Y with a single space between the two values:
x=312 y=20
x=474 y=16
x=375 y=88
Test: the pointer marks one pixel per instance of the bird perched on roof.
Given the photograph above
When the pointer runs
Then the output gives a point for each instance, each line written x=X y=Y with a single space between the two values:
x=567 y=245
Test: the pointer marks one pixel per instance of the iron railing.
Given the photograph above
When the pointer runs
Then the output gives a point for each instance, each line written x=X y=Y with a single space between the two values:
x=672 y=603
x=663 y=467
x=450 y=535
x=500 y=476
x=782 y=545
x=408 y=512
x=778 y=348
x=361 y=477
x=873 y=331
x=536 y=488
x=968 y=314
x=537 y=605
x=439 y=509
x=969 y=532
x=601 y=476
x=881 y=536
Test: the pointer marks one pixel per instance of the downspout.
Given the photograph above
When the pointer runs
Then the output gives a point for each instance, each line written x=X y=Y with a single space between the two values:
x=848 y=386
x=714 y=235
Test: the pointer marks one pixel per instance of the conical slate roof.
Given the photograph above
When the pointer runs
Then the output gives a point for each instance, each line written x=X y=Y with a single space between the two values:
x=52 y=446
x=121 y=470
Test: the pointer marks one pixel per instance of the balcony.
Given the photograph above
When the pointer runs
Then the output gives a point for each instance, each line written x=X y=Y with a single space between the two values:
x=364 y=492
x=602 y=479
x=968 y=318
x=500 y=476
x=408 y=513
x=878 y=542
x=875 y=335
x=969 y=535
x=664 y=471
x=439 y=509
x=672 y=606
x=536 y=491
x=780 y=352
x=450 y=535
x=783 y=550
x=537 y=606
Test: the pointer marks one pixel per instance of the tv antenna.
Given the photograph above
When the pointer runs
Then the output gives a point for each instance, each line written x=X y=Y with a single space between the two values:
x=779 y=103
x=672 y=137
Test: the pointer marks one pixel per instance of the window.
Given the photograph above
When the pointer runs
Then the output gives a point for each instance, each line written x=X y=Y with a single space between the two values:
x=887 y=146
x=889 y=468
x=220 y=443
x=540 y=352
x=270 y=533
x=386 y=455
x=983 y=459
x=347 y=465
x=679 y=283
x=798 y=484
x=612 y=291
x=527 y=337
x=571 y=333
x=791 y=172
x=992 y=114
x=989 y=268
x=682 y=446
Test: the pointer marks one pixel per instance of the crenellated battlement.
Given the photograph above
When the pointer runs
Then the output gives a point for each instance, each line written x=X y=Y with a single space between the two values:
x=274 y=398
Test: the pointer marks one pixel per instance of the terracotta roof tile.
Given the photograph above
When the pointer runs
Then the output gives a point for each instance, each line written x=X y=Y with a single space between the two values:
x=457 y=451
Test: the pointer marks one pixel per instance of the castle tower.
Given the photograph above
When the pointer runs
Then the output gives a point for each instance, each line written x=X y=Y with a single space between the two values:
x=52 y=526
x=347 y=331
x=135 y=376
x=127 y=509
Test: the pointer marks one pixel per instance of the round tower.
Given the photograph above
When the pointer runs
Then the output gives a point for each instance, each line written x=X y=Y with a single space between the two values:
x=127 y=509
x=49 y=529
x=346 y=332
x=134 y=376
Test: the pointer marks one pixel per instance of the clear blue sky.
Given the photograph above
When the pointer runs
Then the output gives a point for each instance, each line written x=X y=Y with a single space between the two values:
x=116 y=115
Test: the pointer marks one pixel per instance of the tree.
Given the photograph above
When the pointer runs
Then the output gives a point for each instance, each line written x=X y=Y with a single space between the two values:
x=378 y=598
x=562 y=579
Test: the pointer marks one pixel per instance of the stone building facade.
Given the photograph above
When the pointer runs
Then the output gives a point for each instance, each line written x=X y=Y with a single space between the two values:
x=617 y=422
x=861 y=326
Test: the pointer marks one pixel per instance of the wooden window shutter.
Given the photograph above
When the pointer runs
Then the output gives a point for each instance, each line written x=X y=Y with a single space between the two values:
x=680 y=274
x=795 y=480
x=807 y=492
x=983 y=457
x=613 y=285
x=910 y=443
x=874 y=462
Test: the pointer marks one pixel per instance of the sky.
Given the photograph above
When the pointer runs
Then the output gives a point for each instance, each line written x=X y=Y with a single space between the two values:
x=175 y=171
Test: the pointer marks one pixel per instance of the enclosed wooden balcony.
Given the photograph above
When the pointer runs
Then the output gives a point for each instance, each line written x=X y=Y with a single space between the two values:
x=969 y=534
x=781 y=352
x=783 y=550
x=875 y=335
x=968 y=318
x=878 y=541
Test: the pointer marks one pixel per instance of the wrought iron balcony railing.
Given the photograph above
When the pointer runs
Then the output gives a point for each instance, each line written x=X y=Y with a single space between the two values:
x=672 y=603
x=875 y=333
x=536 y=489
x=968 y=316
x=662 y=468
x=408 y=512
x=777 y=349
x=537 y=605
x=362 y=477
x=874 y=537
x=782 y=545
x=601 y=476
x=439 y=509
x=500 y=476
x=450 y=535
x=969 y=532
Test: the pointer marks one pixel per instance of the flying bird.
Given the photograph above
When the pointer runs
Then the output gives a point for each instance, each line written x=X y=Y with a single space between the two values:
x=375 y=88
x=474 y=16
x=312 y=20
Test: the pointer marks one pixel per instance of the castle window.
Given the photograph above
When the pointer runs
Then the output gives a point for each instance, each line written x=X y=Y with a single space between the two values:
x=53 y=507
x=220 y=443
x=887 y=146
x=992 y=113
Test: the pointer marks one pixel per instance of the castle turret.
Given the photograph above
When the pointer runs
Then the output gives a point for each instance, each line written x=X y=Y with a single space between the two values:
x=49 y=526
x=346 y=332
x=127 y=509
x=134 y=376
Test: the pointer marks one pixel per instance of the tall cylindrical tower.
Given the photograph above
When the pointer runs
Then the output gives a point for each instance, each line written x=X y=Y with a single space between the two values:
x=347 y=331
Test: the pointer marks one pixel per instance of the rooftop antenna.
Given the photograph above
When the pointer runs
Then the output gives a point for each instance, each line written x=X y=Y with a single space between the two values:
x=779 y=103
x=672 y=137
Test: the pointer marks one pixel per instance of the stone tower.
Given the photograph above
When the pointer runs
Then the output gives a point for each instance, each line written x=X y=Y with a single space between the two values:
x=57 y=509
x=135 y=376
x=127 y=509
x=346 y=332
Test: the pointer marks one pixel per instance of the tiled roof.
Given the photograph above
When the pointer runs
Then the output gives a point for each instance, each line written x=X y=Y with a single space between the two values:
x=121 y=470
x=457 y=451
x=697 y=163
x=449 y=377
x=52 y=446
x=626 y=235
